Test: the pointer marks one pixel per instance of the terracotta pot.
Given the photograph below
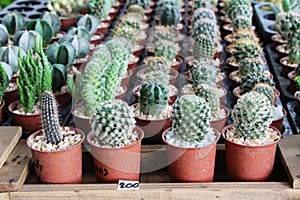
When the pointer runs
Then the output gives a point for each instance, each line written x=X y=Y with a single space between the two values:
x=191 y=164
x=2 y=103
x=286 y=67
x=122 y=95
x=103 y=29
x=133 y=65
x=277 y=40
x=278 y=122
x=96 y=39
x=27 y=122
x=114 y=164
x=63 y=100
x=83 y=123
x=172 y=73
x=126 y=80
x=220 y=123
x=11 y=96
x=249 y=163
x=63 y=166
x=281 y=51
x=67 y=22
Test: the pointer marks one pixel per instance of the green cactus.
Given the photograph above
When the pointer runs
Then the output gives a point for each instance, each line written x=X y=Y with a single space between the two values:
x=297 y=70
x=251 y=65
x=132 y=20
x=206 y=92
x=50 y=120
x=231 y=6
x=242 y=10
x=90 y=22
x=166 y=49
x=246 y=48
x=66 y=8
x=43 y=28
x=81 y=45
x=3 y=35
x=143 y=3
x=241 y=22
x=203 y=13
x=25 y=39
x=10 y=56
x=250 y=80
x=128 y=33
x=294 y=53
x=157 y=77
x=243 y=33
x=297 y=82
x=113 y=123
x=100 y=8
x=80 y=31
x=203 y=4
x=157 y=64
x=170 y=15
x=63 y=53
x=14 y=22
x=53 y=19
x=252 y=115
x=5 y=76
x=136 y=9
x=206 y=27
x=165 y=33
x=204 y=47
x=265 y=89
x=284 y=23
x=190 y=118
x=59 y=77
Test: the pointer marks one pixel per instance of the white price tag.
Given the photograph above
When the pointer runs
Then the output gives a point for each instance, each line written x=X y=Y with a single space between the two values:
x=128 y=185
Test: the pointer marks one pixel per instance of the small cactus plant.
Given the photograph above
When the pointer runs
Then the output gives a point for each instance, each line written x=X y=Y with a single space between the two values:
x=100 y=8
x=90 y=22
x=170 y=15
x=143 y=3
x=53 y=19
x=166 y=49
x=203 y=13
x=265 y=89
x=242 y=10
x=14 y=22
x=63 y=53
x=59 y=77
x=208 y=28
x=206 y=92
x=25 y=39
x=252 y=115
x=157 y=64
x=43 y=28
x=137 y=9
x=10 y=56
x=66 y=8
x=241 y=22
x=250 y=80
x=128 y=33
x=204 y=47
x=5 y=76
x=246 y=48
x=81 y=45
x=157 y=77
x=80 y=31
x=3 y=35
x=251 y=65
x=294 y=54
x=231 y=6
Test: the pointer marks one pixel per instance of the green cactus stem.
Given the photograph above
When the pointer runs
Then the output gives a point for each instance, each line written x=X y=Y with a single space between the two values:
x=203 y=13
x=249 y=81
x=143 y=3
x=206 y=92
x=251 y=65
x=207 y=28
x=265 y=89
x=90 y=22
x=5 y=76
x=53 y=19
x=3 y=35
x=204 y=47
x=10 y=56
x=170 y=15
x=63 y=53
x=100 y=8
x=241 y=22
x=165 y=48
x=81 y=45
x=43 y=28
x=25 y=39
x=80 y=31
x=246 y=48
x=14 y=22
x=242 y=10
x=157 y=64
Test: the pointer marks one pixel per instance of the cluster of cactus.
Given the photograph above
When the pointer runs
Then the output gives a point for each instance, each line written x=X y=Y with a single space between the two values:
x=89 y=22
x=4 y=35
x=252 y=115
x=53 y=19
x=249 y=81
x=251 y=65
x=50 y=120
x=203 y=13
x=165 y=48
x=35 y=76
x=246 y=48
x=113 y=124
x=14 y=22
x=157 y=64
x=25 y=39
x=191 y=118
x=207 y=92
x=100 y=8
x=204 y=47
x=81 y=45
x=66 y=8
x=143 y=3
x=10 y=56
x=5 y=76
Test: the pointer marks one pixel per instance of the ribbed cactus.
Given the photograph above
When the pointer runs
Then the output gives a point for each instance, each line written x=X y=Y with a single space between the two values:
x=43 y=28
x=143 y=3
x=231 y=6
x=284 y=22
x=81 y=45
x=157 y=77
x=170 y=15
x=128 y=33
x=53 y=19
x=136 y=9
x=63 y=53
x=100 y=8
x=25 y=39
x=265 y=89
x=297 y=82
x=165 y=33
x=204 y=47
x=153 y=98
x=132 y=20
x=202 y=4
x=251 y=65
x=241 y=22
x=246 y=48
x=80 y=31
x=190 y=118
x=59 y=77
x=243 y=33
x=206 y=92
x=166 y=49
x=252 y=115
x=242 y=10
x=90 y=22
x=206 y=27
x=294 y=54
x=250 y=80
x=3 y=35
x=5 y=76
x=203 y=13
x=113 y=123
x=50 y=120
x=65 y=8
x=10 y=56
x=14 y=22
x=157 y=64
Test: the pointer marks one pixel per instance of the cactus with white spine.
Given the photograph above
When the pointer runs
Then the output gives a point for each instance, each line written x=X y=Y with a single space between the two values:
x=241 y=22
x=231 y=6
x=208 y=28
x=252 y=115
x=203 y=13
x=5 y=76
x=128 y=33
x=65 y=8
x=242 y=10
x=25 y=39
x=100 y=8
x=14 y=22
x=249 y=81
x=170 y=15
x=204 y=47
x=143 y=3
x=157 y=77
x=206 y=92
x=166 y=49
x=3 y=35
x=165 y=33
x=157 y=64
x=89 y=22
x=202 y=4
x=246 y=48
x=251 y=65
x=136 y=9
x=265 y=89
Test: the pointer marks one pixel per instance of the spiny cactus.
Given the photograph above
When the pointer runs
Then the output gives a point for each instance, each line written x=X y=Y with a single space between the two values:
x=250 y=80
x=132 y=20
x=143 y=3
x=204 y=47
x=53 y=19
x=50 y=120
x=170 y=15
x=252 y=115
x=63 y=53
x=157 y=64
x=81 y=45
x=246 y=48
x=284 y=22
x=241 y=22
x=43 y=28
x=203 y=4
x=157 y=77
x=153 y=98
x=231 y=5
x=251 y=65
x=190 y=118
x=80 y=31
x=100 y=8
x=203 y=13
x=166 y=49
x=128 y=33
x=5 y=76
x=242 y=10
x=3 y=35
x=66 y=8
x=137 y=9
x=265 y=89
x=25 y=39
x=14 y=22
x=10 y=56
x=165 y=33
x=243 y=33
x=294 y=54
x=90 y=22
x=59 y=77
x=206 y=92
x=113 y=123
x=208 y=28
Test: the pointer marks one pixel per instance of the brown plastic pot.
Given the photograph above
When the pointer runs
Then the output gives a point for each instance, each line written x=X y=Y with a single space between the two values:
x=249 y=163
x=278 y=122
x=83 y=123
x=11 y=96
x=63 y=100
x=63 y=166
x=103 y=29
x=67 y=22
x=286 y=68
x=2 y=103
x=29 y=123
x=219 y=124
x=126 y=79
x=114 y=164
x=191 y=164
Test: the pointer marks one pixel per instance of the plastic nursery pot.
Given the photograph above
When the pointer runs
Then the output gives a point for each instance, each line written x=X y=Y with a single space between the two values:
x=62 y=166
x=122 y=95
x=2 y=103
x=292 y=86
x=249 y=163
x=29 y=123
x=96 y=39
x=219 y=124
x=11 y=96
x=279 y=122
x=67 y=22
x=132 y=64
x=191 y=164
x=113 y=164
x=277 y=40
x=126 y=79
x=286 y=66
x=81 y=122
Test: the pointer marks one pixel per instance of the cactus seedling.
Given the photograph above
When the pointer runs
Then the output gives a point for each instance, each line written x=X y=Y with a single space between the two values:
x=43 y=28
x=14 y=22
x=10 y=56
x=53 y=19
x=90 y=22
x=63 y=53
x=80 y=31
x=3 y=35
x=25 y=39
x=81 y=45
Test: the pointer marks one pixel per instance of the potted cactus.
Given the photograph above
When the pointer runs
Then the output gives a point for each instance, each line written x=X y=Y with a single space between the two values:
x=43 y=27
x=25 y=39
x=191 y=142
x=5 y=74
x=115 y=142
x=4 y=35
x=56 y=150
x=14 y=22
x=250 y=142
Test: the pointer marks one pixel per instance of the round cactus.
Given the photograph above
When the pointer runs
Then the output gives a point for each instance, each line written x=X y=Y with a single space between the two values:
x=243 y=33
x=241 y=22
x=90 y=22
x=10 y=56
x=14 y=22
x=206 y=27
x=252 y=115
x=80 y=32
x=242 y=10
x=251 y=65
x=25 y=39
x=246 y=48
x=59 y=76
x=203 y=13
x=132 y=20
x=166 y=49
x=265 y=89
x=157 y=64
x=250 y=80
x=3 y=35
x=63 y=53
x=81 y=45
x=284 y=22
x=203 y=4
x=137 y=9
x=204 y=47
x=100 y=8
x=231 y=6
x=170 y=15
x=206 y=92
x=43 y=28
x=53 y=19
x=165 y=33
x=294 y=54
x=128 y=33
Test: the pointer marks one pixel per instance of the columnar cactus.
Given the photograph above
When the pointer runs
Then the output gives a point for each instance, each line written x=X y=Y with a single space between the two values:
x=203 y=13
x=14 y=22
x=241 y=22
x=81 y=45
x=113 y=123
x=250 y=80
x=157 y=64
x=190 y=118
x=5 y=76
x=50 y=120
x=251 y=65
x=80 y=31
x=166 y=49
x=206 y=92
x=10 y=56
x=204 y=47
x=265 y=89
x=3 y=35
x=170 y=15
x=53 y=19
x=246 y=48
x=90 y=22
x=25 y=39
x=252 y=115
x=43 y=28
x=63 y=53
x=231 y=6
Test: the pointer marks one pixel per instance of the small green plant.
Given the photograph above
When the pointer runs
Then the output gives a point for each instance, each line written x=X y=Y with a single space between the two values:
x=265 y=89
x=143 y=3
x=63 y=53
x=80 y=31
x=53 y=19
x=25 y=39
x=136 y=9
x=157 y=64
x=3 y=35
x=242 y=10
x=207 y=28
x=5 y=76
x=231 y=5
x=204 y=47
x=14 y=22
x=90 y=22
x=10 y=56
x=246 y=48
x=59 y=77
x=251 y=65
x=297 y=82
x=203 y=13
x=206 y=92
x=241 y=22
x=43 y=28
x=81 y=45
x=165 y=48
x=100 y=8
x=66 y=8
x=170 y=15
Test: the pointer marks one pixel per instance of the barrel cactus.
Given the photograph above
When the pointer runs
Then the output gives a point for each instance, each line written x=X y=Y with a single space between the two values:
x=143 y=3
x=242 y=10
x=43 y=28
x=10 y=56
x=251 y=65
x=204 y=47
x=25 y=39
x=241 y=22
x=206 y=92
x=80 y=31
x=250 y=80
x=81 y=45
x=231 y=6
x=157 y=64
x=252 y=115
x=165 y=33
x=3 y=35
x=113 y=124
x=90 y=22
x=59 y=77
x=63 y=53
x=203 y=13
x=206 y=27
x=203 y=4
x=14 y=22
x=246 y=48
x=53 y=19
x=170 y=15
x=265 y=89
x=157 y=77
x=166 y=49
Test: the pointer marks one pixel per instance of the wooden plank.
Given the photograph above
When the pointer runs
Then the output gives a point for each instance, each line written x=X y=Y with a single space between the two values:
x=4 y=196
x=13 y=174
x=9 y=137
x=290 y=154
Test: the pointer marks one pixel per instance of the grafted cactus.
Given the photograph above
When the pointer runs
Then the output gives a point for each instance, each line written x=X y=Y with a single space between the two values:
x=250 y=80
x=10 y=56
x=157 y=64
x=203 y=13
x=251 y=65
x=43 y=28
x=50 y=120
x=252 y=115
x=90 y=22
x=3 y=35
x=14 y=22
x=113 y=123
x=190 y=118
x=80 y=31
x=166 y=49
x=206 y=92
x=53 y=19
x=265 y=89
x=204 y=47
x=63 y=53
x=241 y=22
x=25 y=39
x=246 y=48
x=5 y=76
x=81 y=45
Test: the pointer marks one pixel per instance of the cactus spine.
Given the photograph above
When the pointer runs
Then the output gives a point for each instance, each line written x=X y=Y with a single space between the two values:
x=165 y=48
x=206 y=92
x=250 y=80
x=157 y=64
x=241 y=22
x=203 y=13
x=251 y=65
x=170 y=15
x=246 y=48
x=265 y=89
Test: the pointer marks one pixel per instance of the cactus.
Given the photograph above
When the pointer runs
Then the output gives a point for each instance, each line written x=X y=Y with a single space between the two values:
x=53 y=19
x=206 y=27
x=63 y=53
x=297 y=82
x=90 y=22
x=203 y=13
x=265 y=89
x=50 y=120
x=246 y=48
x=100 y=8
x=143 y=3
x=157 y=64
x=294 y=54
x=232 y=5
x=113 y=123
x=153 y=98
x=241 y=22
x=157 y=77
x=81 y=45
x=242 y=10
x=66 y=8
x=25 y=39
x=243 y=33
x=14 y=22
x=206 y=92
x=80 y=32
x=251 y=65
x=252 y=115
x=203 y=4
x=59 y=77
x=5 y=76
x=10 y=56
x=190 y=118
x=166 y=49
x=204 y=47
x=43 y=28
x=284 y=22
x=136 y=9
x=250 y=80
x=132 y=20
x=165 y=33
x=170 y=15
x=3 y=35
x=128 y=33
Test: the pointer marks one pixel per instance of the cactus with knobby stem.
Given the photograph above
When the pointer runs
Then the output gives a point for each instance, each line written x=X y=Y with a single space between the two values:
x=25 y=39
x=249 y=81
x=204 y=47
x=191 y=118
x=231 y=6
x=50 y=120
x=136 y=9
x=63 y=53
x=265 y=89
x=132 y=20
x=100 y=8
x=14 y=22
x=59 y=77
x=35 y=76
x=165 y=48
x=246 y=48
x=157 y=64
x=113 y=124
x=66 y=8
x=206 y=92
x=143 y=3
x=284 y=22
x=164 y=32
x=81 y=45
x=251 y=65
x=157 y=77
x=203 y=13
x=170 y=15
x=243 y=10
x=90 y=22
x=153 y=98
x=5 y=76
x=252 y=115
x=241 y=22
x=53 y=19
x=3 y=35
x=10 y=56
x=80 y=31
x=208 y=28
x=43 y=28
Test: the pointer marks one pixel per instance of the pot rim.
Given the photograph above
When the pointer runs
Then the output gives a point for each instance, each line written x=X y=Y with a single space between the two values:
x=227 y=111
x=14 y=104
x=148 y=120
